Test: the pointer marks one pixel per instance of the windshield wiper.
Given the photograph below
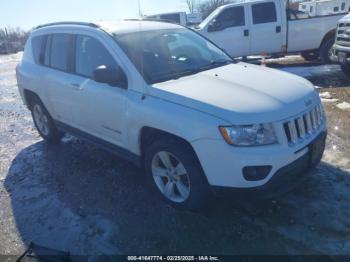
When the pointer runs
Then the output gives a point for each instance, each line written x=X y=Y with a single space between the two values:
x=213 y=64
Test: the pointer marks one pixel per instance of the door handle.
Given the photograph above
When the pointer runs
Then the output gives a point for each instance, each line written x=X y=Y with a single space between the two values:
x=246 y=32
x=278 y=29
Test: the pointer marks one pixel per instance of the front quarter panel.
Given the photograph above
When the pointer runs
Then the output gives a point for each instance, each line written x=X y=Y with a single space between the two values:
x=179 y=120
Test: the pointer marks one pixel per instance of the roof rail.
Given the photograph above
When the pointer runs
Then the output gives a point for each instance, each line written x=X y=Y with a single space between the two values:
x=152 y=20
x=69 y=23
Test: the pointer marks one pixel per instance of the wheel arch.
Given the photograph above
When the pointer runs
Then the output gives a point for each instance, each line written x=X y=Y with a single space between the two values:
x=330 y=34
x=28 y=97
x=150 y=134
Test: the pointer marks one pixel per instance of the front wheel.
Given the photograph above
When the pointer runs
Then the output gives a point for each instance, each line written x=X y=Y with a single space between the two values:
x=326 y=51
x=310 y=55
x=43 y=122
x=346 y=69
x=174 y=172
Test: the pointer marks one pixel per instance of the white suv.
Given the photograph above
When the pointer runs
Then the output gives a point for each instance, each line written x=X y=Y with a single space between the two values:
x=169 y=100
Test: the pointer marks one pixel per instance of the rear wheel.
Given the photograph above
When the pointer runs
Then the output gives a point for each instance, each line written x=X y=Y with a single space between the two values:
x=43 y=122
x=326 y=50
x=175 y=173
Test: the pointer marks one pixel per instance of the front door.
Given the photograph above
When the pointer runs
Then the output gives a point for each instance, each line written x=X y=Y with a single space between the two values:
x=99 y=109
x=229 y=30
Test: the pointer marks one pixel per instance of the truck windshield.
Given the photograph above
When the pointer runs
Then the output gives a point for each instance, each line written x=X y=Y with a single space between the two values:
x=162 y=55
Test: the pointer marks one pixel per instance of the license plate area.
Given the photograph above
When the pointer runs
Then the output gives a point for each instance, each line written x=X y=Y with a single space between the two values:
x=316 y=149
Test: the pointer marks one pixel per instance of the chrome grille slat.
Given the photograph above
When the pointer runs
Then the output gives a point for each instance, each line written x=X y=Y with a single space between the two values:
x=308 y=121
x=293 y=131
x=343 y=38
x=300 y=128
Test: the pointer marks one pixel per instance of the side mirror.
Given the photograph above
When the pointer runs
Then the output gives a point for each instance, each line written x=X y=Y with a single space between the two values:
x=114 y=76
x=214 y=26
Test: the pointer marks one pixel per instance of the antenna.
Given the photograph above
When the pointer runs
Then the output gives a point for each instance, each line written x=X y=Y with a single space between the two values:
x=140 y=10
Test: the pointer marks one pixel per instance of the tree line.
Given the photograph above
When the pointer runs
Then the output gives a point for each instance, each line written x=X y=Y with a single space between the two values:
x=206 y=7
x=10 y=34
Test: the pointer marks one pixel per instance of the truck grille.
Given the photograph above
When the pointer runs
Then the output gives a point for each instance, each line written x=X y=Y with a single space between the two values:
x=343 y=34
x=302 y=127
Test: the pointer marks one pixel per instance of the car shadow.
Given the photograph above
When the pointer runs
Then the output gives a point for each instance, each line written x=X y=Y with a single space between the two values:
x=75 y=197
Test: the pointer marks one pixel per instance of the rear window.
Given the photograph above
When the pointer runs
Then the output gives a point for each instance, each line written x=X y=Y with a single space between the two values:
x=37 y=46
x=60 y=51
x=264 y=13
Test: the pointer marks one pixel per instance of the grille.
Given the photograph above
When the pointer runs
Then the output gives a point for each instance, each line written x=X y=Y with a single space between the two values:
x=302 y=127
x=343 y=34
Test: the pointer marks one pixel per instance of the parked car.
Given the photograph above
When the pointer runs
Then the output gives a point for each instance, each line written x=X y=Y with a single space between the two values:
x=165 y=98
x=180 y=18
x=269 y=26
x=341 y=48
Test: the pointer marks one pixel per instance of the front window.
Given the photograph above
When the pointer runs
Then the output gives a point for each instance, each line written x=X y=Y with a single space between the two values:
x=162 y=55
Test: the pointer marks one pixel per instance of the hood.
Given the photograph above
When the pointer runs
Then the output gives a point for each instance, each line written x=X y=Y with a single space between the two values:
x=241 y=93
x=345 y=19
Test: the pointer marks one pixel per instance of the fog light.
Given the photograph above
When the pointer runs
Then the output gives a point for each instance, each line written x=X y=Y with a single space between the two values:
x=256 y=173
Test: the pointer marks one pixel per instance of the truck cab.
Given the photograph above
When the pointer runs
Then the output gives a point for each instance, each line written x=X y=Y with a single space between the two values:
x=247 y=28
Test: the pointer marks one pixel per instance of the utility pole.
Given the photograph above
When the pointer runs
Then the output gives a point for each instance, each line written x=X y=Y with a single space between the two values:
x=140 y=10
x=6 y=41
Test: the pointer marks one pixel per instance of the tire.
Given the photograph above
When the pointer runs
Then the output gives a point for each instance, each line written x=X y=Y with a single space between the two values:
x=346 y=69
x=310 y=56
x=325 y=50
x=189 y=190
x=44 y=122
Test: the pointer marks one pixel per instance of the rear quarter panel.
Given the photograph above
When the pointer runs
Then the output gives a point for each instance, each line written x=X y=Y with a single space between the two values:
x=307 y=34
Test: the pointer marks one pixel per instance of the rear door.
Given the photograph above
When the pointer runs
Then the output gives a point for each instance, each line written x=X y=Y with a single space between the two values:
x=58 y=50
x=229 y=30
x=267 y=29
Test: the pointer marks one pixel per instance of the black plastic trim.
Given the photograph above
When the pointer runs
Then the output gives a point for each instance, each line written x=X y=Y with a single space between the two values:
x=114 y=149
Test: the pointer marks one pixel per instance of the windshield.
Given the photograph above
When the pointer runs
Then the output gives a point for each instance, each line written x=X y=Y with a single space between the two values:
x=162 y=55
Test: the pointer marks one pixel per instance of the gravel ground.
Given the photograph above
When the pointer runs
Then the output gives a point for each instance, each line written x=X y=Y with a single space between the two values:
x=75 y=197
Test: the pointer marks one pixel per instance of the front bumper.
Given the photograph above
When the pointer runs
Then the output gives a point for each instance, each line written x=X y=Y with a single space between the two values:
x=284 y=180
x=223 y=165
x=334 y=54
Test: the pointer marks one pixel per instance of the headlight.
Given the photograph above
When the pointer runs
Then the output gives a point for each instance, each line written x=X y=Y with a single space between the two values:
x=249 y=135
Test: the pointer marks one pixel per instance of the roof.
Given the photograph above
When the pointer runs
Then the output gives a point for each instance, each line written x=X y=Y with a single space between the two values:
x=118 y=27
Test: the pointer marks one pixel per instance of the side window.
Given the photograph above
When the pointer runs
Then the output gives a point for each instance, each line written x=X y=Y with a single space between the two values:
x=231 y=17
x=343 y=6
x=60 y=51
x=264 y=13
x=336 y=9
x=37 y=47
x=90 y=54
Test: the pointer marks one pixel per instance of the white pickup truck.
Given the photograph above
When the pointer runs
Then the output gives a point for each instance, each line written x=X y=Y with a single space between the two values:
x=274 y=27
x=341 y=49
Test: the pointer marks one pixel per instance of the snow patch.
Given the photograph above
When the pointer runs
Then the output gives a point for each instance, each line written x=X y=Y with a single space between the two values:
x=344 y=106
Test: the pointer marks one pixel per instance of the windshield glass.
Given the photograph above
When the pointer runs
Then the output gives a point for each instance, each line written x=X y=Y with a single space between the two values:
x=162 y=55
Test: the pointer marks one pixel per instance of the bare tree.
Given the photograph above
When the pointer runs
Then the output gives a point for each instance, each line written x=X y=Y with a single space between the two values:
x=192 y=5
x=209 y=6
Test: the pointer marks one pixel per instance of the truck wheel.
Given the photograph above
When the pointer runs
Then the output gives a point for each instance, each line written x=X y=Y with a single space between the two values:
x=346 y=69
x=43 y=122
x=175 y=174
x=325 y=50
x=310 y=55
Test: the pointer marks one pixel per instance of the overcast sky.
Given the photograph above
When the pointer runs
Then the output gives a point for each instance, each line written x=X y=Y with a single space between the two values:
x=27 y=14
